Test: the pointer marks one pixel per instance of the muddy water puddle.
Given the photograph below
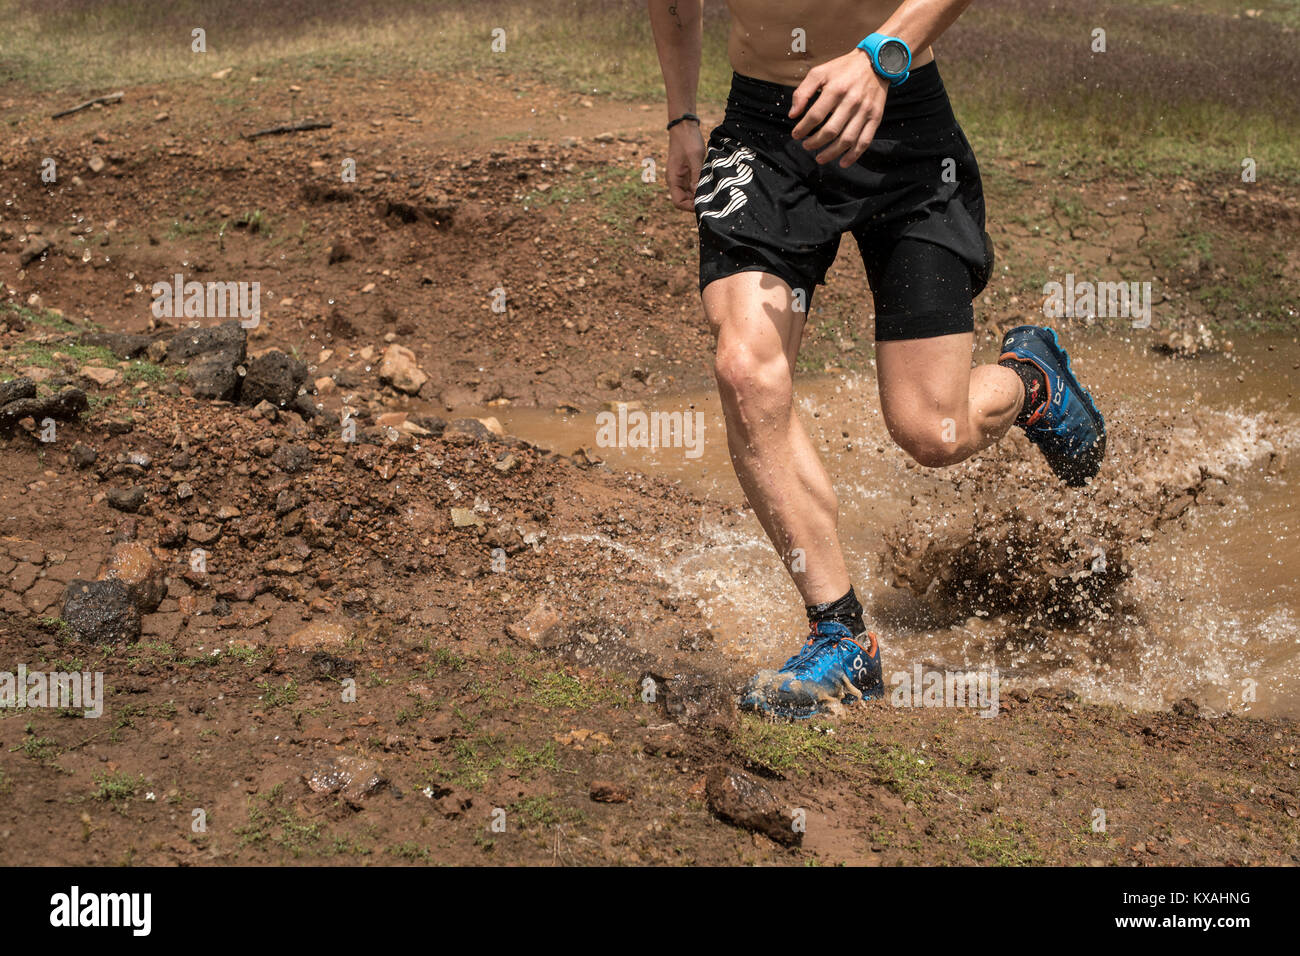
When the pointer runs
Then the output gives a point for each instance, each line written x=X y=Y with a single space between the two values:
x=1211 y=610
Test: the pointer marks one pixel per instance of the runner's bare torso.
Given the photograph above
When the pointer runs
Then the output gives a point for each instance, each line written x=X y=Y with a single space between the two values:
x=762 y=43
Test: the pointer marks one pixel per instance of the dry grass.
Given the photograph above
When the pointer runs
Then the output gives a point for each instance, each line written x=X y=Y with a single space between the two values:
x=1192 y=85
x=601 y=45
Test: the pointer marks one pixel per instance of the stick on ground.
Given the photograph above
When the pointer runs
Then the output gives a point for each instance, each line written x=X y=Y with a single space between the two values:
x=110 y=98
x=291 y=128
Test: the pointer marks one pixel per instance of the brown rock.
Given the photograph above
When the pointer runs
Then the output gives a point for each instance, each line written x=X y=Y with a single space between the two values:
x=399 y=369
x=33 y=249
x=103 y=377
x=126 y=499
x=465 y=430
x=204 y=533
x=283 y=566
x=698 y=702
x=352 y=778
x=320 y=634
x=603 y=791
x=132 y=563
x=739 y=799
x=537 y=626
x=465 y=518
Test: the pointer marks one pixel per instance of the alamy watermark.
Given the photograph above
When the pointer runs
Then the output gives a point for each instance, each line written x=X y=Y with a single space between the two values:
x=634 y=428
x=179 y=299
x=129 y=910
x=1102 y=300
x=931 y=688
x=57 y=689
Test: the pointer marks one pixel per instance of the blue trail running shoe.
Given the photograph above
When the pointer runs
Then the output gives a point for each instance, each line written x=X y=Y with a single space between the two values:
x=833 y=668
x=1067 y=428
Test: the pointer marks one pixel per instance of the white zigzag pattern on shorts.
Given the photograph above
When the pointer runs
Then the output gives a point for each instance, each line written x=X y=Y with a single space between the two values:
x=737 y=200
x=742 y=176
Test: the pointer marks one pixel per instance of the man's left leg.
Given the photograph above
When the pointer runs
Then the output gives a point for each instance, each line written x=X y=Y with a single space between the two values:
x=936 y=407
x=940 y=410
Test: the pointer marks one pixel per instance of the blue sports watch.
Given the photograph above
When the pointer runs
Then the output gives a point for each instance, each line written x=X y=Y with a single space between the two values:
x=890 y=57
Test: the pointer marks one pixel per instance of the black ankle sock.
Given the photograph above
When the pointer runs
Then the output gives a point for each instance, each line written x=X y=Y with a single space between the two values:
x=1035 y=383
x=845 y=610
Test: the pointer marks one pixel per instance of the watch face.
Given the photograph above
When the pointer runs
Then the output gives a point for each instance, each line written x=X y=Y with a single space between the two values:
x=892 y=57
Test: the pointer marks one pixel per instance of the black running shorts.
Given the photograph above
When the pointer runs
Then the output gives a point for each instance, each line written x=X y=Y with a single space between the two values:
x=913 y=202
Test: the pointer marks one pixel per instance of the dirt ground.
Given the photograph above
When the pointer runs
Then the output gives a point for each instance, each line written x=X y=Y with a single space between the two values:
x=419 y=646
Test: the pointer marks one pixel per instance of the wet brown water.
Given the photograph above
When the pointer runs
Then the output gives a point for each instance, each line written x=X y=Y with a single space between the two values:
x=1214 y=605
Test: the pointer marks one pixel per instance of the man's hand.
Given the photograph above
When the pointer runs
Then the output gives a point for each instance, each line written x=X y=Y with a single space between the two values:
x=685 y=157
x=852 y=96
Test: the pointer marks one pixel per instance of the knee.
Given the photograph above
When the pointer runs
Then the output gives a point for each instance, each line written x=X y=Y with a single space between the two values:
x=754 y=384
x=935 y=443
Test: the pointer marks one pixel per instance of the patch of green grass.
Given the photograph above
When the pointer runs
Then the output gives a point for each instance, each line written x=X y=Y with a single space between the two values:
x=470 y=721
x=189 y=228
x=255 y=221
x=43 y=354
x=1004 y=844
x=445 y=661
x=41 y=749
x=116 y=788
x=485 y=689
x=798 y=749
x=246 y=655
x=41 y=317
x=273 y=697
x=558 y=689
x=530 y=762
x=415 y=711
x=542 y=811
x=300 y=235
x=59 y=628
x=783 y=748
x=140 y=370
x=126 y=715
x=477 y=760
x=151 y=652
x=410 y=851
x=207 y=659
x=913 y=776
x=274 y=824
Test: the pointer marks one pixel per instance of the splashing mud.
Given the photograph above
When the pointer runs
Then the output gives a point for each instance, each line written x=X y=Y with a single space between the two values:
x=1170 y=576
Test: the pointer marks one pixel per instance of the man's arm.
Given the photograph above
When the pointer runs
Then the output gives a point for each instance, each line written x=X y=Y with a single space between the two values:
x=678 y=27
x=852 y=97
x=919 y=23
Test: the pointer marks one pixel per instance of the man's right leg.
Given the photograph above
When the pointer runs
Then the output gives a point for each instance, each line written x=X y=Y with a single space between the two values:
x=785 y=481
x=758 y=334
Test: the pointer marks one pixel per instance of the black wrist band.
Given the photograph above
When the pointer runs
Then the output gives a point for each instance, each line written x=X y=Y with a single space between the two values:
x=683 y=118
